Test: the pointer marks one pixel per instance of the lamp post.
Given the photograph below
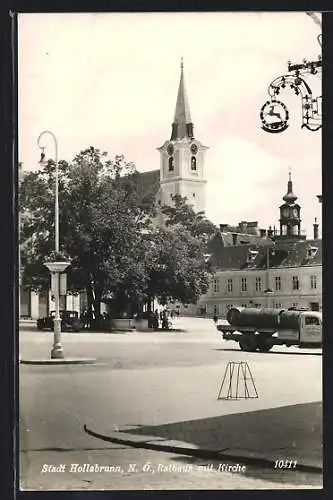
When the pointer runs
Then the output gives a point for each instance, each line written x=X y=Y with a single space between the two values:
x=268 y=291
x=59 y=266
x=56 y=211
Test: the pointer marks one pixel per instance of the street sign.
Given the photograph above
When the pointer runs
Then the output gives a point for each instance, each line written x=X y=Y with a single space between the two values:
x=63 y=284
x=54 y=283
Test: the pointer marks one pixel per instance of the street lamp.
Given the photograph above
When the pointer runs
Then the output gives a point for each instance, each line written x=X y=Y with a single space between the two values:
x=268 y=291
x=42 y=159
x=58 y=266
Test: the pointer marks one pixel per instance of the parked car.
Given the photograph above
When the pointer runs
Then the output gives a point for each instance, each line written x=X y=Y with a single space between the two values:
x=70 y=321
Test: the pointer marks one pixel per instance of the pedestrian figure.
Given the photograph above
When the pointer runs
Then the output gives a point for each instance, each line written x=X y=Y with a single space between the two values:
x=84 y=318
x=165 y=325
x=155 y=320
x=215 y=318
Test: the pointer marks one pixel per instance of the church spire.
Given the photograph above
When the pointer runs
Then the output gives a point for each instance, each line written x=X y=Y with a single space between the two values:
x=290 y=197
x=182 y=127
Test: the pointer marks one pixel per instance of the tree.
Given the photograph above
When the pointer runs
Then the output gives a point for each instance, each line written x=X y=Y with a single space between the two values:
x=175 y=265
x=106 y=231
x=194 y=222
x=101 y=216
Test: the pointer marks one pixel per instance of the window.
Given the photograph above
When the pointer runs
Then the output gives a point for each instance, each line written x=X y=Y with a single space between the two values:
x=193 y=163
x=244 y=305
x=216 y=309
x=314 y=306
x=313 y=282
x=216 y=285
x=295 y=305
x=278 y=305
x=229 y=285
x=295 y=283
x=311 y=252
x=258 y=284
x=171 y=164
x=257 y=305
x=251 y=255
x=243 y=285
x=311 y=321
x=277 y=283
x=193 y=194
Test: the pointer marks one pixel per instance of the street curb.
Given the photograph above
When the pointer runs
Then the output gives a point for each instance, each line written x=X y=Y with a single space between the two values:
x=66 y=361
x=178 y=447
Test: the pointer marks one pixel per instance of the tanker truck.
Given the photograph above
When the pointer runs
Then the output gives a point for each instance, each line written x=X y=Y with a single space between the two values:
x=259 y=329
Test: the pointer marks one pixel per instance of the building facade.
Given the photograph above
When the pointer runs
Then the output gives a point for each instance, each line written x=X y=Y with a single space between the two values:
x=259 y=268
x=293 y=279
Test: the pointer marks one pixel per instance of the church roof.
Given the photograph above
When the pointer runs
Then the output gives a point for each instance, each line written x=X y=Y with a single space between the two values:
x=182 y=124
x=182 y=111
x=148 y=185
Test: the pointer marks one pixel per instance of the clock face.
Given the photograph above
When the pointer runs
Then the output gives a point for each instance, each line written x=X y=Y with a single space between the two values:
x=295 y=212
x=194 y=149
x=170 y=149
x=286 y=212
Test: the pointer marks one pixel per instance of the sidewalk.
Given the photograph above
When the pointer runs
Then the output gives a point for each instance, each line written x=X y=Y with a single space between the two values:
x=288 y=433
x=181 y=324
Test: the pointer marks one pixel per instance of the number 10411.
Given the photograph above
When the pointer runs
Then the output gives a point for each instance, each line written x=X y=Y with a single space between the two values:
x=285 y=464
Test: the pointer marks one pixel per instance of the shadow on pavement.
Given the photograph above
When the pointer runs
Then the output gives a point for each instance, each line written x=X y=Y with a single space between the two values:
x=285 y=433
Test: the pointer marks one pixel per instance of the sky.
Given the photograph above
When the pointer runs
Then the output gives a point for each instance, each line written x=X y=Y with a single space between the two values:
x=110 y=80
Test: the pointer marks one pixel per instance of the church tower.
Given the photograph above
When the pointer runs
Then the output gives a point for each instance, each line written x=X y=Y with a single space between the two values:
x=290 y=221
x=182 y=157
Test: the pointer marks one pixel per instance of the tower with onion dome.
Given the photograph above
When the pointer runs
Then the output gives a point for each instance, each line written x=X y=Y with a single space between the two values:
x=290 y=215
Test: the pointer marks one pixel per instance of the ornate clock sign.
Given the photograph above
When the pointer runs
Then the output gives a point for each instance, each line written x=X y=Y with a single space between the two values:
x=274 y=116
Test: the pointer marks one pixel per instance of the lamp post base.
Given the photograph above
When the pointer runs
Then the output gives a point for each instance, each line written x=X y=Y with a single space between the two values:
x=57 y=352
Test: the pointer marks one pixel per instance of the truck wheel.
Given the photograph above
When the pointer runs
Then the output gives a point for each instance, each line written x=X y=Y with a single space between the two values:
x=264 y=347
x=248 y=344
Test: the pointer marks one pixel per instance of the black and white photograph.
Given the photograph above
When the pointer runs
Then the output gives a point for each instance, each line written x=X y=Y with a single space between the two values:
x=170 y=251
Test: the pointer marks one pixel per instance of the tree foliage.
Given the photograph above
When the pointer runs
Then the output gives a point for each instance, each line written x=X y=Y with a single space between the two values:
x=195 y=222
x=116 y=253
x=101 y=216
x=176 y=265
